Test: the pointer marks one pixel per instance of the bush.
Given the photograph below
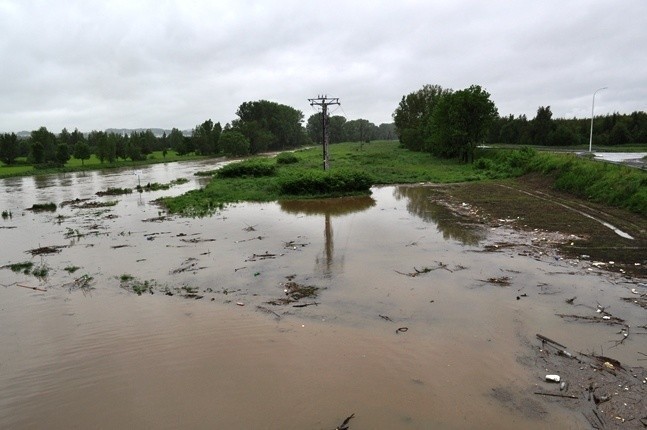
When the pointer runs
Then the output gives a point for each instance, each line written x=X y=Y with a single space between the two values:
x=253 y=168
x=234 y=143
x=286 y=158
x=319 y=183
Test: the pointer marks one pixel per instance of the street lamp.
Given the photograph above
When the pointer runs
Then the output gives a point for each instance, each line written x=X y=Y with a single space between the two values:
x=592 y=108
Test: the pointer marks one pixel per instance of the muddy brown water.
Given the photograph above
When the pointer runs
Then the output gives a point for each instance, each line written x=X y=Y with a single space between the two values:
x=105 y=357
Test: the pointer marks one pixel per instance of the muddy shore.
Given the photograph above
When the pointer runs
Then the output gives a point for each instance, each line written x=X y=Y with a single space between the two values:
x=536 y=222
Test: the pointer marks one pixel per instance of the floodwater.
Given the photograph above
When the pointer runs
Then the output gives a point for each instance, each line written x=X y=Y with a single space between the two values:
x=404 y=330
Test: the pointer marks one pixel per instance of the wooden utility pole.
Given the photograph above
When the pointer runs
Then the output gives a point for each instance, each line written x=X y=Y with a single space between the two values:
x=324 y=102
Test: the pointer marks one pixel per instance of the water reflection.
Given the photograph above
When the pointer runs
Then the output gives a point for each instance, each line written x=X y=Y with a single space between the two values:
x=421 y=203
x=328 y=208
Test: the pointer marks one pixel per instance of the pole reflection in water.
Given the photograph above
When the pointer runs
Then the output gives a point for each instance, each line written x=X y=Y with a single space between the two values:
x=328 y=208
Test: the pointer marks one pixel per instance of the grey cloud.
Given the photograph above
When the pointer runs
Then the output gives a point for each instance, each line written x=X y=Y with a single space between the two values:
x=94 y=65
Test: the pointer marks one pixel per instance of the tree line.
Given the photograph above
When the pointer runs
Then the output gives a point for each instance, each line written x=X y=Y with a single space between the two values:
x=451 y=124
x=608 y=130
x=260 y=126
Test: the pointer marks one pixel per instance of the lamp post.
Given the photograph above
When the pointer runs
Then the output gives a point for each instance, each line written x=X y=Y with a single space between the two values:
x=592 y=108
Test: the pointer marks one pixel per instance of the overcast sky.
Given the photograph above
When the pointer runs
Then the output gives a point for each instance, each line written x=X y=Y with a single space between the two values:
x=93 y=65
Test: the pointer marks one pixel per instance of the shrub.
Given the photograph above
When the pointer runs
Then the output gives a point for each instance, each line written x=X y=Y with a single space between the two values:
x=253 y=168
x=318 y=183
x=286 y=158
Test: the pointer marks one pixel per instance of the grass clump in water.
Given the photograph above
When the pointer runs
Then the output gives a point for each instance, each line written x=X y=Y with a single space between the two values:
x=24 y=267
x=132 y=284
x=41 y=272
x=43 y=207
x=115 y=192
x=71 y=269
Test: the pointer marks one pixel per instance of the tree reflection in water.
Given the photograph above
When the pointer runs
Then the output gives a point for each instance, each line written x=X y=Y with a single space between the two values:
x=422 y=203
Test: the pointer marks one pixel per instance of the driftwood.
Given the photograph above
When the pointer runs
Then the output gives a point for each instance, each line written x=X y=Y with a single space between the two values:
x=45 y=250
x=565 y=396
x=545 y=339
x=344 y=425
x=303 y=305
x=31 y=288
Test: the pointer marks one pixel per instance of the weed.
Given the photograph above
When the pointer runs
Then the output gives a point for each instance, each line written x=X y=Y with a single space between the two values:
x=287 y=158
x=43 y=207
x=71 y=269
x=41 y=272
x=24 y=267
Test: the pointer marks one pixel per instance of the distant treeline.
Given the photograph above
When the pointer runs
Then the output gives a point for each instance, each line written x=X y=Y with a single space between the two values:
x=608 y=130
x=260 y=126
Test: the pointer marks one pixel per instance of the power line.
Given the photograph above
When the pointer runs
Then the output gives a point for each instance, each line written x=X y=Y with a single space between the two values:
x=324 y=102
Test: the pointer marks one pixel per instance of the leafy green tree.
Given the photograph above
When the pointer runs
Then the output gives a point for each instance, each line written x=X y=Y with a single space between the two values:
x=46 y=142
x=336 y=130
x=314 y=128
x=37 y=153
x=234 y=143
x=336 y=127
x=9 y=148
x=360 y=130
x=269 y=125
x=62 y=153
x=386 y=131
x=206 y=137
x=619 y=134
x=82 y=151
x=176 y=141
x=64 y=137
x=563 y=136
x=412 y=115
x=460 y=121
x=112 y=141
x=542 y=126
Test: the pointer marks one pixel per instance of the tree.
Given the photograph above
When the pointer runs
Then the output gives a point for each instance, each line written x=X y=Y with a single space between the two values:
x=412 y=115
x=234 y=143
x=46 y=146
x=360 y=130
x=314 y=128
x=98 y=142
x=9 y=148
x=619 y=134
x=386 y=131
x=542 y=126
x=206 y=137
x=176 y=141
x=459 y=122
x=269 y=126
x=82 y=151
x=62 y=153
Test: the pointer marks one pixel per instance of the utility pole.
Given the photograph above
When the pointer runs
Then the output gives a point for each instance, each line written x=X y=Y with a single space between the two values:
x=324 y=102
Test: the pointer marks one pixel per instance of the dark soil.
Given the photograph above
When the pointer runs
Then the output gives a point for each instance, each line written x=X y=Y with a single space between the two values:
x=530 y=204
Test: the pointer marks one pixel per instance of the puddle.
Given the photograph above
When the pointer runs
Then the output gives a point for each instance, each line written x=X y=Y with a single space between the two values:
x=406 y=321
